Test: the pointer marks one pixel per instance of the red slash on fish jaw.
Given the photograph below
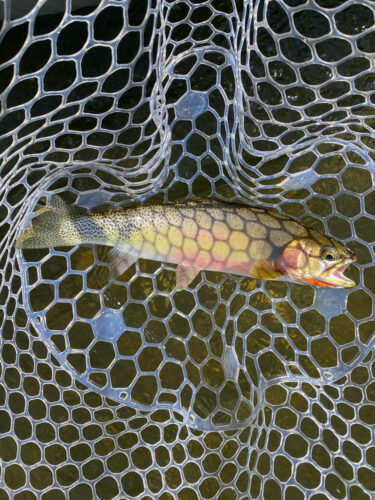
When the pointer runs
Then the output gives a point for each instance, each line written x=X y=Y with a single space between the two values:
x=315 y=281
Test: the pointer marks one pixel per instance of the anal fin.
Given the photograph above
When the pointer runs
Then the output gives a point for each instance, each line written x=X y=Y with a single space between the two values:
x=185 y=275
x=120 y=260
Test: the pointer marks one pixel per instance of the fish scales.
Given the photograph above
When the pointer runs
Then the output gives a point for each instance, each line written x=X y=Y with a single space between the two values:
x=221 y=239
x=199 y=235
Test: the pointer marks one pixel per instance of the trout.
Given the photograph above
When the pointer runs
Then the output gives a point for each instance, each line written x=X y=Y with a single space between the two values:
x=198 y=235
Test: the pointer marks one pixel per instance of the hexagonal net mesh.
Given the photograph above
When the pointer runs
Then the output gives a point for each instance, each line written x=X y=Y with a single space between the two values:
x=123 y=387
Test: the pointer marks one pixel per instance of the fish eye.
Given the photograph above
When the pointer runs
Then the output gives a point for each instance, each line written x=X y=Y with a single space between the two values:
x=329 y=254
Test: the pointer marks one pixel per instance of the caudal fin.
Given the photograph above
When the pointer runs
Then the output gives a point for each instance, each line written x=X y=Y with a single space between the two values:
x=44 y=230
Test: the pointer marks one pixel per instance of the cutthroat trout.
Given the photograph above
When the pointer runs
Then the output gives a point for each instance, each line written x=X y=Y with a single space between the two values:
x=198 y=235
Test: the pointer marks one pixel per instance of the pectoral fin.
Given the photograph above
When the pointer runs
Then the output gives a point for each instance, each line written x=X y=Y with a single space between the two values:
x=265 y=270
x=185 y=275
x=120 y=260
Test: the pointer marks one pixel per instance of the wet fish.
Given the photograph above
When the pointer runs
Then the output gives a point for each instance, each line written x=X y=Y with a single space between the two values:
x=198 y=235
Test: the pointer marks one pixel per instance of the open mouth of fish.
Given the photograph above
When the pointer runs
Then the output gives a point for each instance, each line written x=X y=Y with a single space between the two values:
x=334 y=276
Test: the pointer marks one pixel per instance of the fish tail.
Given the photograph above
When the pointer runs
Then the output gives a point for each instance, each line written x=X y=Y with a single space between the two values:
x=46 y=227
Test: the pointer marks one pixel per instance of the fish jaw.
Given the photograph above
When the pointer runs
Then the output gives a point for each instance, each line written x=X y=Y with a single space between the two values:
x=333 y=277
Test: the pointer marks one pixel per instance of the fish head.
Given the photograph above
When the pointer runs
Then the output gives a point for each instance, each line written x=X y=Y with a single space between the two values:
x=317 y=260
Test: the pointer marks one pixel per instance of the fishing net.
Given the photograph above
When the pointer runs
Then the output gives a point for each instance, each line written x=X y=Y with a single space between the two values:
x=234 y=388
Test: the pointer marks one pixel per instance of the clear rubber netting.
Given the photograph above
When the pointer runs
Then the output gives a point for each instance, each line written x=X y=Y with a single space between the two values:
x=122 y=387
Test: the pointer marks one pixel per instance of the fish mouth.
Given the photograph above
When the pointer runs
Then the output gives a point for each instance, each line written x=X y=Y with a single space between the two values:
x=334 y=276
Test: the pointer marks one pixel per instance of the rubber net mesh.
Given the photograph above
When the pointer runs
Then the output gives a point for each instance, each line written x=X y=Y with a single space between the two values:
x=121 y=387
